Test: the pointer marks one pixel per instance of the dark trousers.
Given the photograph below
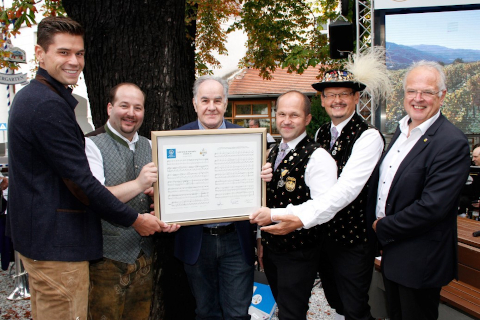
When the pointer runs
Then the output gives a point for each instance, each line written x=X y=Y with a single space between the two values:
x=221 y=280
x=405 y=303
x=291 y=276
x=346 y=274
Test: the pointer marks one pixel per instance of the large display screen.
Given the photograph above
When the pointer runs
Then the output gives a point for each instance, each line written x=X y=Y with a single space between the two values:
x=446 y=35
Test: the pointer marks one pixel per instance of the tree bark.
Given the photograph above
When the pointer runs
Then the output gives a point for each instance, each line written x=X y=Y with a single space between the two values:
x=144 y=43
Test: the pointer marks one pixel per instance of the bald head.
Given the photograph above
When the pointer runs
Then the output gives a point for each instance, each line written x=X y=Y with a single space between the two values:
x=476 y=156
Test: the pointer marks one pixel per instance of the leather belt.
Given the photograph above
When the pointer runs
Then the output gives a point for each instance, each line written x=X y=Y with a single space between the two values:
x=220 y=230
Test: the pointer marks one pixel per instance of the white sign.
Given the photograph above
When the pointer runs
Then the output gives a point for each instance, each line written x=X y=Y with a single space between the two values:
x=16 y=55
x=397 y=4
x=3 y=126
x=13 y=78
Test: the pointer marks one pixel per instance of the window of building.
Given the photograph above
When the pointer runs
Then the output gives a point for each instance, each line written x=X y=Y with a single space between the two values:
x=240 y=112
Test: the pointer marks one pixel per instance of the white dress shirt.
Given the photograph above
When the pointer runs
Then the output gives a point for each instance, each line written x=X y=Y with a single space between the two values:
x=395 y=156
x=366 y=152
x=94 y=156
x=320 y=174
x=270 y=138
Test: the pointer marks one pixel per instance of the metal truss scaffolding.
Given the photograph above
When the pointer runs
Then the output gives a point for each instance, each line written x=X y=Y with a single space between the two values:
x=364 y=28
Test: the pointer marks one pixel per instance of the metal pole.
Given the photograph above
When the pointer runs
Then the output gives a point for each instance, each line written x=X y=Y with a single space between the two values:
x=21 y=290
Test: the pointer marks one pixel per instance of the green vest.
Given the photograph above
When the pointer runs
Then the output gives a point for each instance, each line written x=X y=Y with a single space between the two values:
x=120 y=165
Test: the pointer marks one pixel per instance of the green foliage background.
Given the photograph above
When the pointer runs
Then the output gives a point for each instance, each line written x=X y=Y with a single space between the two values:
x=319 y=116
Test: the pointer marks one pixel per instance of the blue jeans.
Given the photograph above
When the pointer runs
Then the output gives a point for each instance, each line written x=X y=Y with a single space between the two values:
x=221 y=281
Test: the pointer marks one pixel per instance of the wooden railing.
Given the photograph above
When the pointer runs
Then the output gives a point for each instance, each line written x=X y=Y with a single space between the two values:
x=464 y=294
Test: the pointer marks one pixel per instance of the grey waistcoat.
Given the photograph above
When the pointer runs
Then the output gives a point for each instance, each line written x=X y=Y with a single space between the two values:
x=121 y=165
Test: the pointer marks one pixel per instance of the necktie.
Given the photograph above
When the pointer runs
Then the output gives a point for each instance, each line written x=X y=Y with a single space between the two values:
x=334 y=137
x=281 y=154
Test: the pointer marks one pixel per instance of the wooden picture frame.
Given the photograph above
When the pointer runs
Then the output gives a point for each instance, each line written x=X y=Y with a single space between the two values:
x=208 y=176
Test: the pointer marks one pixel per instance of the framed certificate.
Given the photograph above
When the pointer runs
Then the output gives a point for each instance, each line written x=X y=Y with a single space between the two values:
x=208 y=176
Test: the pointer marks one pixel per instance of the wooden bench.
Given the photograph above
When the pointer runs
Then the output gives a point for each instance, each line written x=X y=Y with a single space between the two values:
x=464 y=294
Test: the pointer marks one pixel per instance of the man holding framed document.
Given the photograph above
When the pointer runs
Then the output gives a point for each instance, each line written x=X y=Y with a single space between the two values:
x=218 y=257
x=347 y=257
x=301 y=170
x=122 y=281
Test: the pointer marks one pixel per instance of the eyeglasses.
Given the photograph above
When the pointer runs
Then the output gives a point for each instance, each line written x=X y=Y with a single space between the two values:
x=342 y=95
x=424 y=94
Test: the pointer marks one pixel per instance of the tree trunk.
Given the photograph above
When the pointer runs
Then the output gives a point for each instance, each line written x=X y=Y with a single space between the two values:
x=140 y=42
x=144 y=43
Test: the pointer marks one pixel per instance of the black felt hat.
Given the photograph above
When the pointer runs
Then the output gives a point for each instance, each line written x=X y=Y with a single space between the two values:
x=338 y=78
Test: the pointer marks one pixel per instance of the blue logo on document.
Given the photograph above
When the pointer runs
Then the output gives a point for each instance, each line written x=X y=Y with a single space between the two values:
x=171 y=153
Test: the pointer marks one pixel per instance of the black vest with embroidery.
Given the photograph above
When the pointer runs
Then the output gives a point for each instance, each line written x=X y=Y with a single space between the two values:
x=288 y=187
x=348 y=227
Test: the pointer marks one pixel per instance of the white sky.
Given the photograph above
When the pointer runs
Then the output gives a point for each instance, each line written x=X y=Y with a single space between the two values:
x=454 y=29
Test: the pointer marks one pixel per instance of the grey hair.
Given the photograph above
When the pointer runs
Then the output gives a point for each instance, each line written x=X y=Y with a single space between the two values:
x=429 y=65
x=202 y=79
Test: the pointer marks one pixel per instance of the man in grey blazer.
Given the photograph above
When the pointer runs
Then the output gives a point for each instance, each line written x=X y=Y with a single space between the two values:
x=414 y=197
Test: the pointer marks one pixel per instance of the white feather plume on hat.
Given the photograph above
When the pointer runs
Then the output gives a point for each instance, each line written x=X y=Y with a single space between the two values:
x=368 y=67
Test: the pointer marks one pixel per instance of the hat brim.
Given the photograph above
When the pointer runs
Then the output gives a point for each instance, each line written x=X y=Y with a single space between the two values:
x=320 y=86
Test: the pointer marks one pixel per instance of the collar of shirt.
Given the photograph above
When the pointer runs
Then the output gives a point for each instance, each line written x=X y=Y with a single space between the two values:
x=65 y=92
x=341 y=125
x=131 y=144
x=423 y=127
x=201 y=127
x=292 y=144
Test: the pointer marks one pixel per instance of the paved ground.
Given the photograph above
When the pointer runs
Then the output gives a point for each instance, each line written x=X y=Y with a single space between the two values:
x=319 y=308
x=11 y=309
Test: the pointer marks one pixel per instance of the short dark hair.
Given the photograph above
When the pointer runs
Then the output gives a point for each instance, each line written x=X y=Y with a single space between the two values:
x=50 y=26
x=113 y=92
x=307 y=105
x=255 y=122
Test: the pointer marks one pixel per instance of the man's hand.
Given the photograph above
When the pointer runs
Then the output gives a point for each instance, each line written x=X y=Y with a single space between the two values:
x=147 y=224
x=260 y=253
x=4 y=184
x=147 y=176
x=266 y=173
x=374 y=225
x=287 y=224
x=150 y=192
x=262 y=217
x=170 y=227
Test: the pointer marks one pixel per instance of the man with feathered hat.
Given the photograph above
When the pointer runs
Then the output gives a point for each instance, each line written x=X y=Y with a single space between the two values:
x=347 y=257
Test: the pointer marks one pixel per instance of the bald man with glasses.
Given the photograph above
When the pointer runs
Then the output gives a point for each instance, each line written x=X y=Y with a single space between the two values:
x=414 y=195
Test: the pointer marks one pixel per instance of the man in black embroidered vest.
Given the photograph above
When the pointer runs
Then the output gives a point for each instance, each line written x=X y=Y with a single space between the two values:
x=218 y=258
x=120 y=159
x=346 y=264
x=302 y=170
x=55 y=203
